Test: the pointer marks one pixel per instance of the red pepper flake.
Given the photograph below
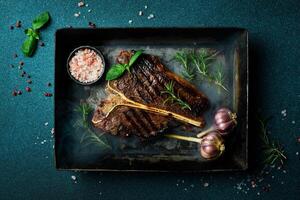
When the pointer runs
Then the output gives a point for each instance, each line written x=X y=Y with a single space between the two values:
x=19 y=92
x=14 y=93
x=11 y=27
x=29 y=81
x=18 y=24
x=47 y=94
x=92 y=25
x=28 y=89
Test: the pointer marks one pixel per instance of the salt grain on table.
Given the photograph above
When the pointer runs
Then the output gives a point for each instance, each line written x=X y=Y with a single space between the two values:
x=130 y=22
x=81 y=4
x=73 y=178
x=140 y=13
x=206 y=184
x=46 y=124
x=151 y=16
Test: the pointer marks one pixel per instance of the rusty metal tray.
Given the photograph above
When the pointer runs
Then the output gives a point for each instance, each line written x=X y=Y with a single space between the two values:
x=85 y=148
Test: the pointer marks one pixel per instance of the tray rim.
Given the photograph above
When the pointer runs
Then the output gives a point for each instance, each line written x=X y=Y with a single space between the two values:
x=193 y=28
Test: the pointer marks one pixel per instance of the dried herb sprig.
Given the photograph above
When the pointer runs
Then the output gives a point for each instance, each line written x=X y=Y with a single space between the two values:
x=84 y=109
x=188 y=70
x=202 y=60
x=272 y=151
x=169 y=89
x=88 y=137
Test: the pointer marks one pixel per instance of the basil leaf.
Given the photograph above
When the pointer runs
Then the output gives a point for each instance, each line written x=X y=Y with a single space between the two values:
x=135 y=57
x=33 y=33
x=115 y=72
x=29 y=46
x=40 y=20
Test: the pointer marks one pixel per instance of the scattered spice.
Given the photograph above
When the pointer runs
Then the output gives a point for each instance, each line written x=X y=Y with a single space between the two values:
x=47 y=94
x=49 y=84
x=151 y=16
x=14 y=93
x=21 y=63
x=19 y=92
x=28 y=76
x=42 y=44
x=298 y=139
x=77 y=14
x=28 y=89
x=29 y=81
x=11 y=65
x=11 y=27
x=18 y=24
x=92 y=25
x=15 y=55
x=81 y=4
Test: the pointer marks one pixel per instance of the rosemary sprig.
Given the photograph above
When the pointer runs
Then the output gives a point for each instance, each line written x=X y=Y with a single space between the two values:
x=84 y=109
x=88 y=136
x=188 y=70
x=202 y=60
x=272 y=150
x=169 y=89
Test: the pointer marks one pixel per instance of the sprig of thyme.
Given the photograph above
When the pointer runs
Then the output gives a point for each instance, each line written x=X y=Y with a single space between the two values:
x=272 y=151
x=169 y=89
x=188 y=70
x=202 y=60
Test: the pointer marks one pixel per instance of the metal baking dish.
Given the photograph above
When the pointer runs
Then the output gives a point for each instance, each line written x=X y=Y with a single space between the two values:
x=84 y=148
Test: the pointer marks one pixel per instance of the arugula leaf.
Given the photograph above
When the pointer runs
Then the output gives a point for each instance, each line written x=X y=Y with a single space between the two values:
x=135 y=57
x=40 y=20
x=115 y=72
x=29 y=46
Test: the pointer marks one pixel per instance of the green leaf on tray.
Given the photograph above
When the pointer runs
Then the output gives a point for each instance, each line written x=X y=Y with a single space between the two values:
x=118 y=70
x=115 y=72
x=40 y=20
x=33 y=33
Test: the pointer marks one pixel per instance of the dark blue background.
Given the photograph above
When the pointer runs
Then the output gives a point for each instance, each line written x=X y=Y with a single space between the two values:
x=27 y=165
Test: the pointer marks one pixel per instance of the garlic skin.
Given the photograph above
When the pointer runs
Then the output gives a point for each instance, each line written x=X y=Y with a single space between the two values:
x=212 y=145
x=225 y=120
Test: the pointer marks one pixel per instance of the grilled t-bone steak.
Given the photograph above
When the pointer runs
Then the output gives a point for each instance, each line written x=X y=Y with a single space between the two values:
x=135 y=103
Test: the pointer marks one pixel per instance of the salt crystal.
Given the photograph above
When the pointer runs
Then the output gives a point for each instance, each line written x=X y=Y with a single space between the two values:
x=145 y=6
x=73 y=177
x=130 y=21
x=151 y=16
x=293 y=122
x=192 y=185
x=46 y=124
x=86 y=5
x=81 y=4
x=52 y=130
x=258 y=193
x=185 y=189
x=206 y=184
x=297 y=153
x=284 y=171
x=140 y=13
x=89 y=10
x=76 y=15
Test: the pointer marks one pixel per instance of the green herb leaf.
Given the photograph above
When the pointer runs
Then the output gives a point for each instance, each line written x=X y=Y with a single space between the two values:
x=29 y=46
x=115 y=72
x=169 y=89
x=40 y=20
x=135 y=57
x=33 y=33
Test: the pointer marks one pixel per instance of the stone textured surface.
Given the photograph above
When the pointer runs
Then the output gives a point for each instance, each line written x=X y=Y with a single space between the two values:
x=26 y=160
